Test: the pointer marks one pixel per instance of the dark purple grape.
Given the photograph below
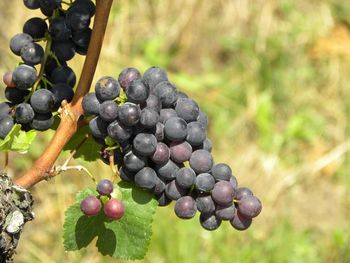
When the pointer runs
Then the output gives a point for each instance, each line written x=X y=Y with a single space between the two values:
x=6 y=125
x=175 y=129
x=241 y=192
x=201 y=161
x=167 y=93
x=154 y=103
x=153 y=76
x=225 y=212
x=32 y=4
x=129 y=114
x=107 y=88
x=185 y=207
x=42 y=101
x=221 y=171
x=204 y=182
x=173 y=191
x=161 y=155
x=59 y=29
x=223 y=193
x=78 y=18
x=167 y=171
x=4 y=109
x=42 y=121
x=98 y=127
x=64 y=50
x=52 y=4
x=114 y=209
x=128 y=75
x=15 y=95
x=209 y=222
x=91 y=105
x=36 y=27
x=32 y=54
x=109 y=110
x=166 y=114
x=133 y=162
x=46 y=11
x=181 y=95
x=187 y=109
x=249 y=206
x=81 y=50
x=205 y=204
x=24 y=113
x=159 y=187
x=91 y=206
x=203 y=119
x=118 y=131
x=240 y=222
x=82 y=38
x=159 y=133
x=51 y=65
x=145 y=144
x=163 y=200
x=104 y=187
x=63 y=74
x=24 y=76
x=87 y=5
x=126 y=175
x=146 y=178
x=185 y=177
x=233 y=182
x=61 y=92
x=149 y=117
x=196 y=133
x=18 y=41
x=180 y=151
x=207 y=145
x=137 y=91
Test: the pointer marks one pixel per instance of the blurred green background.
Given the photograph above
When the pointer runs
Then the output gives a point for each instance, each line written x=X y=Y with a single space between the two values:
x=274 y=78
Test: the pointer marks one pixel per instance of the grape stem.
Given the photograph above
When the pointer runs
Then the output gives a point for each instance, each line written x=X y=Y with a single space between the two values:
x=64 y=168
x=115 y=171
x=71 y=112
x=42 y=67
x=73 y=152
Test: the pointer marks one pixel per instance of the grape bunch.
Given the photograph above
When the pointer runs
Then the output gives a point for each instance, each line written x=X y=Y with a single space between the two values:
x=157 y=136
x=34 y=96
x=113 y=208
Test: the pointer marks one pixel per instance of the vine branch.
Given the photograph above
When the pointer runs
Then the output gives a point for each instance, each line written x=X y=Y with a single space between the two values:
x=72 y=111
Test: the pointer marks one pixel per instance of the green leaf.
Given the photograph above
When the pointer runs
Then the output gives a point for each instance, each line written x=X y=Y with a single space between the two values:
x=89 y=150
x=127 y=238
x=17 y=140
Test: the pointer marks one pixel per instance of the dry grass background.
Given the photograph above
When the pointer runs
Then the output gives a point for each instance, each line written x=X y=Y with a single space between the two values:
x=274 y=79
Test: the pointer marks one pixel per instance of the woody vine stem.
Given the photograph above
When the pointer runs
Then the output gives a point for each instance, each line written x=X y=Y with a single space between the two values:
x=71 y=112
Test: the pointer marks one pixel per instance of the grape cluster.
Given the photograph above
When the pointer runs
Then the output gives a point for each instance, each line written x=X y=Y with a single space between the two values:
x=113 y=208
x=159 y=140
x=33 y=96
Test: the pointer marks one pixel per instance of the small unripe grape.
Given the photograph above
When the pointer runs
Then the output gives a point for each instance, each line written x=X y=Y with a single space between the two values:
x=105 y=187
x=7 y=79
x=114 y=209
x=90 y=206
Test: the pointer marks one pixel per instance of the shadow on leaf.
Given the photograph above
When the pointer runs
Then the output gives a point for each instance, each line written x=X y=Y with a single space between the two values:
x=85 y=230
x=138 y=195
x=107 y=242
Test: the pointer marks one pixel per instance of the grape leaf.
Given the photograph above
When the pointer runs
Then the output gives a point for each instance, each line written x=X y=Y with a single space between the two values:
x=17 y=140
x=127 y=238
x=89 y=150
